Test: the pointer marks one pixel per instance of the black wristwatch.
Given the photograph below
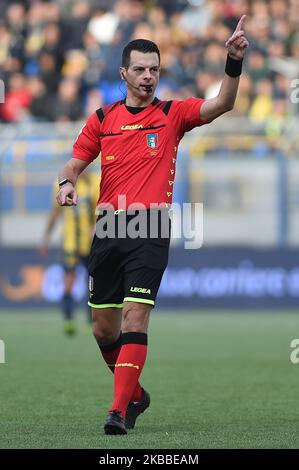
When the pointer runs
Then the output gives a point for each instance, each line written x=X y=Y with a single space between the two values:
x=64 y=181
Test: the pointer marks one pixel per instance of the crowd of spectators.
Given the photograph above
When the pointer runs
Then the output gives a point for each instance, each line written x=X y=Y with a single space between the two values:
x=59 y=59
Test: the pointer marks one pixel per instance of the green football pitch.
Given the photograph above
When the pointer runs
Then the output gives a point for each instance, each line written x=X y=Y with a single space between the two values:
x=217 y=380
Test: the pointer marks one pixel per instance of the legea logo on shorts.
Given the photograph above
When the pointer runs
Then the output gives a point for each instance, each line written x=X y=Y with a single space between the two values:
x=2 y=352
x=141 y=290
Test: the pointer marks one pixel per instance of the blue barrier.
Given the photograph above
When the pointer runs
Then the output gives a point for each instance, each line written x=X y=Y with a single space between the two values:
x=233 y=278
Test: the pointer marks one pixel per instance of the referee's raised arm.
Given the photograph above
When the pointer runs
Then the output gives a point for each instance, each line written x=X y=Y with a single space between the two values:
x=236 y=46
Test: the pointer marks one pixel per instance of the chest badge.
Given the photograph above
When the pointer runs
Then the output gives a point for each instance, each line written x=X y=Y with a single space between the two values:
x=152 y=140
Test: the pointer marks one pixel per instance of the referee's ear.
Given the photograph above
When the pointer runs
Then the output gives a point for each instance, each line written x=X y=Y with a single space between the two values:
x=122 y=71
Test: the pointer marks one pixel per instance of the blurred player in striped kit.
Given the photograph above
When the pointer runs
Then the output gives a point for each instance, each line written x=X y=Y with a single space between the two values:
x=78 y=230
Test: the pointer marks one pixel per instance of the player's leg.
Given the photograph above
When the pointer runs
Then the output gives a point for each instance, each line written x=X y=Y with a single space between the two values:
x=68 y=304
x=141 y=287
x=70 y=261
x=113 y=272
x=106 y=326
x=106 y=300
x=132 y=355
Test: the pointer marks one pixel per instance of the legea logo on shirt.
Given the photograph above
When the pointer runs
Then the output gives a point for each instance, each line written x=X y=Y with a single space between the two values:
x=152 y=140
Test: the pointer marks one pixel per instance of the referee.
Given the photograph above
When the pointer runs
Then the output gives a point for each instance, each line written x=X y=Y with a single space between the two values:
x=138 y=139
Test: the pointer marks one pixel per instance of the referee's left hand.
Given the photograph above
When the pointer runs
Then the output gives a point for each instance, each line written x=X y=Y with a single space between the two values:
x=237 y=44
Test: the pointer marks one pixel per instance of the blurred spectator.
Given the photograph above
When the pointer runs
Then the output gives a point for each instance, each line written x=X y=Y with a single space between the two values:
x=245 y=94
x=75 y=26
x=5 y=38
x=130 y=13
x=281 y=87
x=67 y=105
x=195 y=19
x=295 y=48
x=36 y=21
x=75 y=65
x=103 y=25
x=17 y=99
x=16 y=19
x=94 y=101
x=96 y=61
x=40 y=99
x=276 y=122
x=48 y=71
x=157 y=17
x=214 y=58
x=143 y=30
x=16 y=22
x=262 y=105
x=53 y=44
x=257 y=66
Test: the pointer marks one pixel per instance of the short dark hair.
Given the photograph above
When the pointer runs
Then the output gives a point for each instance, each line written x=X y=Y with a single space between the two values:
x=141 y=45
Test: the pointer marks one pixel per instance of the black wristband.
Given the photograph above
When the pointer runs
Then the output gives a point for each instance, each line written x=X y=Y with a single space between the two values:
x=64 y=181
x=233 y=67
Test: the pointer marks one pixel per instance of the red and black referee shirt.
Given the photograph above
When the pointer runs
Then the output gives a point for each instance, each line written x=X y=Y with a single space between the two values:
x=138 y=151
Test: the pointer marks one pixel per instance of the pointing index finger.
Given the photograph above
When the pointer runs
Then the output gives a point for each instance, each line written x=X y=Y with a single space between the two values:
x=241 y=22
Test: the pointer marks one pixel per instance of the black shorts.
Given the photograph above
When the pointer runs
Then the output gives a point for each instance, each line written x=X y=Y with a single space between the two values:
x=122 y=268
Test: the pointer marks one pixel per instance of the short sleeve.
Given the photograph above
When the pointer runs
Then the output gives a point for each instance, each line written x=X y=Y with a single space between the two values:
x=190 y=114
x=87 y=145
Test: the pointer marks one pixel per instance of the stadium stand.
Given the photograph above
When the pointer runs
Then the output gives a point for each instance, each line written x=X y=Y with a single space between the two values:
x=57 y=58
